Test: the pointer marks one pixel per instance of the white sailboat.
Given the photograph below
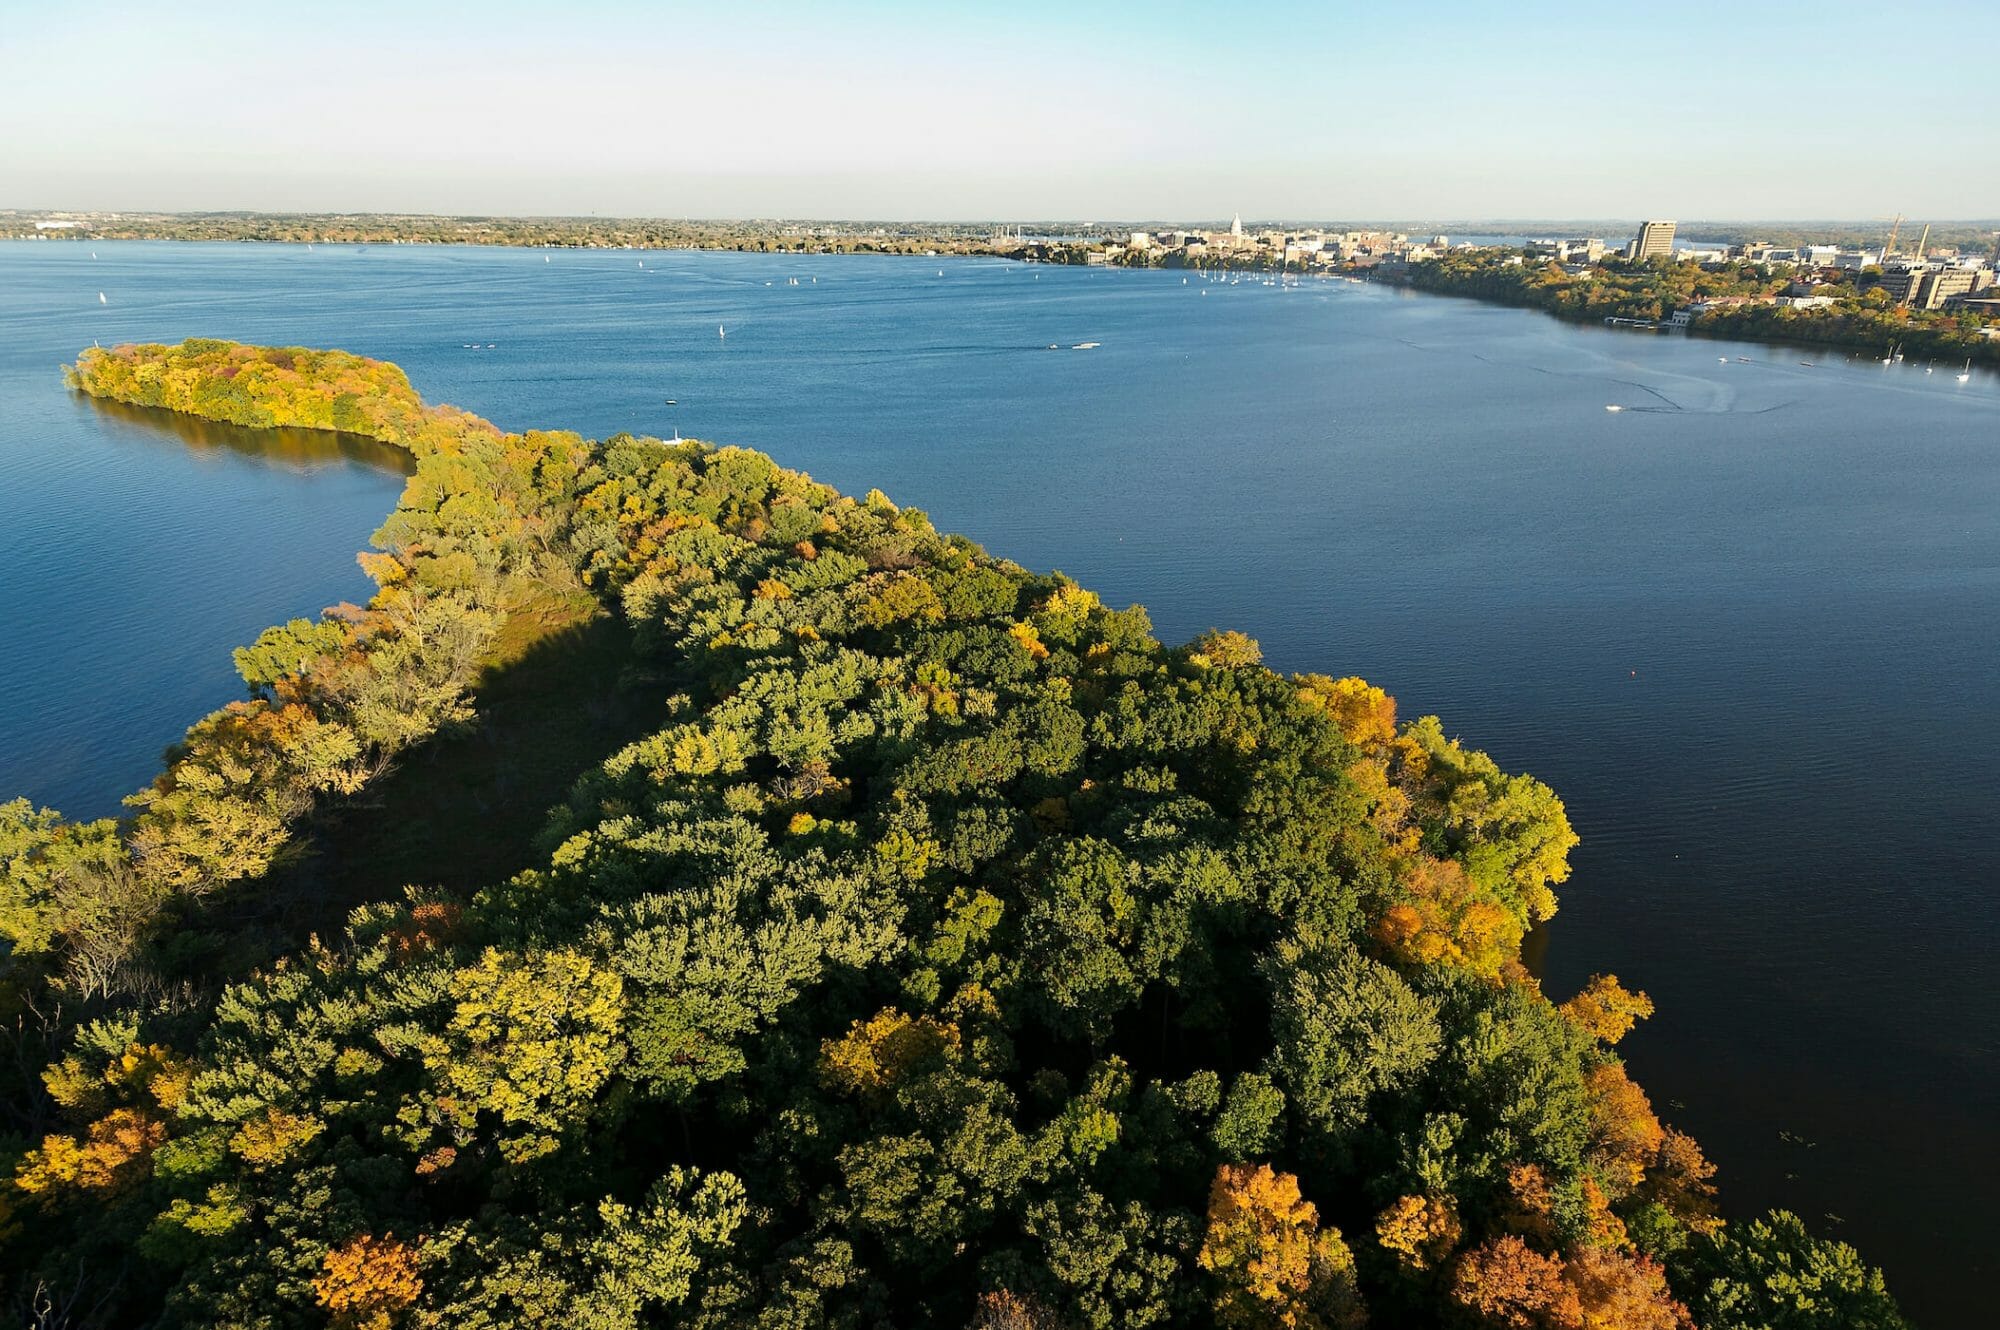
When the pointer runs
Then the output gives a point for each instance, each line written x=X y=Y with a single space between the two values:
x=720 y=331
x=1965 y=373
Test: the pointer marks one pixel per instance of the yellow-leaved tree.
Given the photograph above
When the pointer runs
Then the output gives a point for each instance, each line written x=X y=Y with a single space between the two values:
x=532 y=1039
x=1273 y=1265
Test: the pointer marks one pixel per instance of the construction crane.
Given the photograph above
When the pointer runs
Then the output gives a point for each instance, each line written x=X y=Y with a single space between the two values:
x=1890 y=248
x=1924 y=245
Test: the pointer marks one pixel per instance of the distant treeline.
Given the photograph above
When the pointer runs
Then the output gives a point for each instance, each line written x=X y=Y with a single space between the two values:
x=957 y=955
x=832 y=235
x=541 y=232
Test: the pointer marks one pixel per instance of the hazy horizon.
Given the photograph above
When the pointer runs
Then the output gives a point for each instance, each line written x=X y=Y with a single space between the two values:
x=895 y=111
x=1935 y=223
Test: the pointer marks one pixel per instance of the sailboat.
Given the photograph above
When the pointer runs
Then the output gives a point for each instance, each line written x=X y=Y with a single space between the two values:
x=102 y=301
x=1965 y=373
x=720 y=332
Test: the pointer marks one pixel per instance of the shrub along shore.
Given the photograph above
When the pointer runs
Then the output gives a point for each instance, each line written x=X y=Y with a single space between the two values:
x=955 y=954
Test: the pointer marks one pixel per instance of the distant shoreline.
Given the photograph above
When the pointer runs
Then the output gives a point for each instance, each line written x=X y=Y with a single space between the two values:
x=1831 y=329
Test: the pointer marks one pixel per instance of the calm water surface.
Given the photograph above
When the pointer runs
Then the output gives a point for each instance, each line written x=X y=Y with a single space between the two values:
x=1746 y=626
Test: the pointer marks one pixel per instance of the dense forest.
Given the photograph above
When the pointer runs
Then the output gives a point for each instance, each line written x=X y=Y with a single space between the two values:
x=1863 y=318
x=956 y=955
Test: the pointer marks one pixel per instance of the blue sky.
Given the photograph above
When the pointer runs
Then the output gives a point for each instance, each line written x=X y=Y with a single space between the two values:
x=894 y=110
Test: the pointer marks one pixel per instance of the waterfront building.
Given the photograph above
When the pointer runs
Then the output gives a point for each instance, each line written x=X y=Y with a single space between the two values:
x=1938 y=287
x=1984 y=301
x=1900 y=284
x=1656 y=241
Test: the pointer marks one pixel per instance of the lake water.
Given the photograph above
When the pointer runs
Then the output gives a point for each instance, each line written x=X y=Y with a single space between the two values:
x=1746 y=626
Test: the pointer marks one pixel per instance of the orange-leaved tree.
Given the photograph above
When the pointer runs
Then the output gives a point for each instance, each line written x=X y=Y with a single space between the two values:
x=366 y=1281
x=1273 y=1265
x=1607 y=1008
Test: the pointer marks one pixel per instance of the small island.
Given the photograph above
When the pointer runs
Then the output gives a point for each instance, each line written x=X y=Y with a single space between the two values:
x=949 y=952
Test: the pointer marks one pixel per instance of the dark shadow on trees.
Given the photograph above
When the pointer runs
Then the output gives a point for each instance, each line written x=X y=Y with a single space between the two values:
x=462 y=810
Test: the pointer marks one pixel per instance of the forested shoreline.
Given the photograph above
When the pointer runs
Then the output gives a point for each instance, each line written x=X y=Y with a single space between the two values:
x=956 y=955
x=1861 y=319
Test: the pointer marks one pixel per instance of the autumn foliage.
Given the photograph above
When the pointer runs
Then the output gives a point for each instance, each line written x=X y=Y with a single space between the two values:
x=1511 y=1286
x=1420 y=1231
x=874 y=1054
x=1273 y=1264
x=366 y=1282
x=1607 y=1009
x=1441 y=917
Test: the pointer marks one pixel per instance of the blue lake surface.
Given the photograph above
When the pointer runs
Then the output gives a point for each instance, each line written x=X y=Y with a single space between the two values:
x=1745 y=626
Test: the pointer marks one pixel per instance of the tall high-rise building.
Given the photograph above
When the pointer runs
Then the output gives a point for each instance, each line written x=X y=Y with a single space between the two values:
x=1236 y=226
x=1656 y=241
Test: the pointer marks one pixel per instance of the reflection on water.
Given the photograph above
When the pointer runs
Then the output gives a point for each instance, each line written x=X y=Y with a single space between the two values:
x=303 y=449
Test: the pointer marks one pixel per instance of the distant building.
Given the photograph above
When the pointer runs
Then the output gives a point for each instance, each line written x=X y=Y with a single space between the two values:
x=1142 y=240
x=1236 y=227
x=1656 y=241
x=1589 y=250
x=1900 y=284
x=1985 y=302
x=1938 y=287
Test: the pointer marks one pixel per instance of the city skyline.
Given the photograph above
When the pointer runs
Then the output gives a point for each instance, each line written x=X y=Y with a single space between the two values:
x=895 y=112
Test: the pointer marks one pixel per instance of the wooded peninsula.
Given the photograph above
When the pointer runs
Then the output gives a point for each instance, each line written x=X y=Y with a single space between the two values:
x=945 y=951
